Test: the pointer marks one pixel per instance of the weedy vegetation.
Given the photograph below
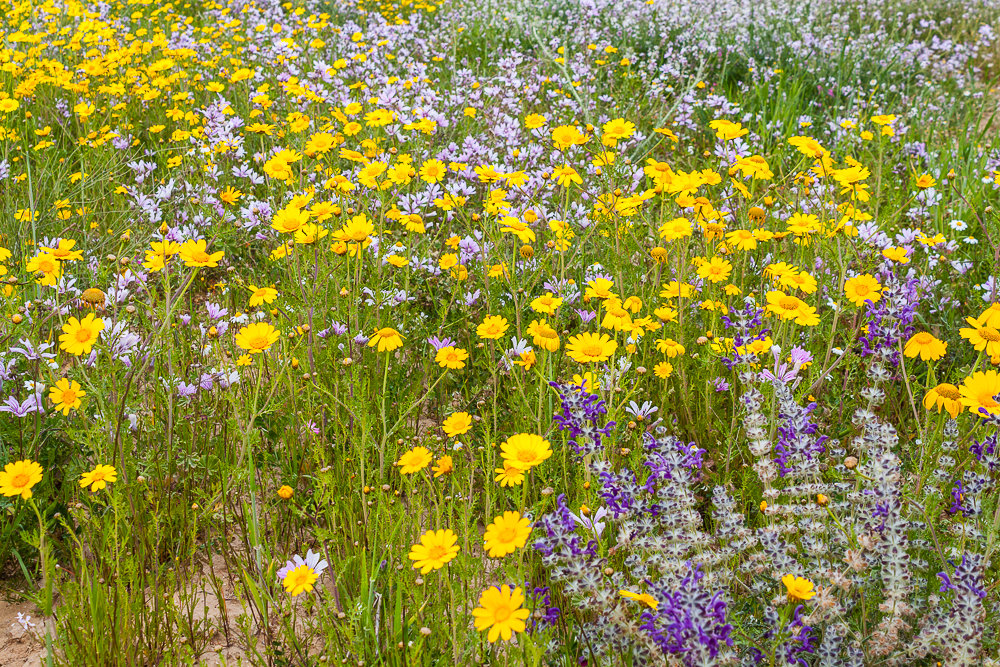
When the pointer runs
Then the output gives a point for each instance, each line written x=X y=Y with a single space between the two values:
x=545 y=333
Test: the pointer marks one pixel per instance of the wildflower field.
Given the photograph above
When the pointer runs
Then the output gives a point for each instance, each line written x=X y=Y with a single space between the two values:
x=565 y=332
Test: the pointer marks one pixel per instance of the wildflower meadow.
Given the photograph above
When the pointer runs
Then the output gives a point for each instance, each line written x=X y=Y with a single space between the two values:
x=442 y=332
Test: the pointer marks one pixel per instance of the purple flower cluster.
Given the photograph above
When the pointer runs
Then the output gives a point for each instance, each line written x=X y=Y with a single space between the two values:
x=746 y=323
x=582 y=413
x=671 y=462
x=541 y=601
x=689 y=621
x=958 y=630
x=986 y=450
x=797 y=445
x=968 y=578
x=891 y=318
x=561 y=540
x=801 y=640
x=795 y=639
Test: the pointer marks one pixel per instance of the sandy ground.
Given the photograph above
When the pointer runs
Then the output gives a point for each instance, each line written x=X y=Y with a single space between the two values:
x=24 y=647
x=18 y=646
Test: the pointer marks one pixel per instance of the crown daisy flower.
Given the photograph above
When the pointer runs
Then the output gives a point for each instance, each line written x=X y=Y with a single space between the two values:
x=790 y=307
x=500 y=612
x=946 y=396
x=195 y=254
x=509 y=475
x=863 y=288
x=435 y=550
x=257 y=337
x=443 y=466
x=47 y=268
x=457 y=424
x=451 y=357
x=63 y=251
x=506 y=534
x=525 y=451
x=981 y=336
x=991 y=316
x=79 y=336
x=93 y=297
x=926 y=346
x=18 y=477
x=798 y=588
x=386 y=339
x=589 y=347
x=981 y=391
x=414 y=460
x=262 y=295
x=493 y=327
x=98 y=478
x=66 y=395
x=644 y=598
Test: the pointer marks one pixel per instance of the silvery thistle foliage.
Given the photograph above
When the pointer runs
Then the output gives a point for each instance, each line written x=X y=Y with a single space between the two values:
x=884 y=528
x=656 y=524
x=954 y=628
x=871 y=531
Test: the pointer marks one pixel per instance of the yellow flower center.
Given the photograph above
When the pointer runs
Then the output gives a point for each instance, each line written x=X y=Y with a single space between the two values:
x=950 y=392
x=789 y=303
x=200 y=256
x=923 y=338
x=861 y=290
x=526 y=455
x=93 y=295
x=986 y=400
x=82 y=335
x=593 y=350
x=506 y=534
x=501 y=613
x=20 y=480
x=69 y=396
x=259 y=342
x=437 y=552
x=990 y=334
